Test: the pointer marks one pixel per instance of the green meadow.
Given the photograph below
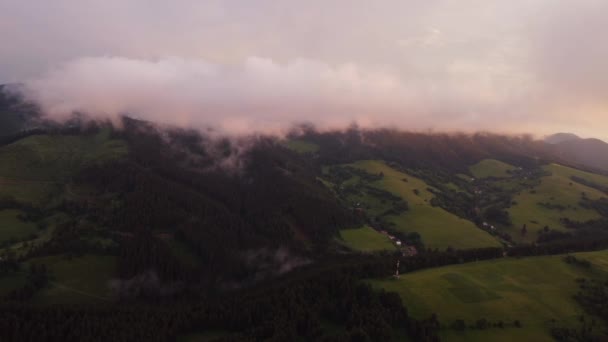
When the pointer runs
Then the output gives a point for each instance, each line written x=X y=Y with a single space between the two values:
x=558 y=189
x=13 y=228
x=437 y=227
x=537 y=291
x=76 y=280
x=37 y=167
x=491 y=168
x=365 y=239
x=301 y=146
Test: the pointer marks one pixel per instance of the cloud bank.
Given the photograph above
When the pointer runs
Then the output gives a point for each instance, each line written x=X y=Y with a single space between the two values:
x=535 y=66
x=260 y=95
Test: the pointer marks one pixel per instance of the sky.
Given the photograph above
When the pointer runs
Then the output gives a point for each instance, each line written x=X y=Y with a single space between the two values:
x=520 y=66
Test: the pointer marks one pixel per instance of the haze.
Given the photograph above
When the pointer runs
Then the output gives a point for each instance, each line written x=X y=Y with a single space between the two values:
x=529 y=66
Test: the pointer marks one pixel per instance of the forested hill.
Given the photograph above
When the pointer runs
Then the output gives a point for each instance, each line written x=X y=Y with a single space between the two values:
x=99 y=225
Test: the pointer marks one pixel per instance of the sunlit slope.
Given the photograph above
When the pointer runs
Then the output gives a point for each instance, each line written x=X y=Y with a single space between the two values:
x=563 y=196
x=531 y=290
x=437 y=227
x=491 y=168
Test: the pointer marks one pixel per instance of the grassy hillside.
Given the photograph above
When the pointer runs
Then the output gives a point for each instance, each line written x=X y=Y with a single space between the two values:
x=78 y=280
x=437 y=227
x=36 y=167
x=12 y=228
x=533 y=290
x=563 y=196
x=491 y=168
x=366 y=239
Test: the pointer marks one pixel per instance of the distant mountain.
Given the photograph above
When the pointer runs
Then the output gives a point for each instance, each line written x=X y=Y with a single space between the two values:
x=587 y=152
x=561 y=137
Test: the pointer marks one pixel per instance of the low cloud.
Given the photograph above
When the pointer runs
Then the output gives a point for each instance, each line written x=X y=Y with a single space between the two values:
x=260 y=95
x=535 y=66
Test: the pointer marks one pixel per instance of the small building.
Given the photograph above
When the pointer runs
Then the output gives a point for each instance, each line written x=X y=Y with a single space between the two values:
x=409 y=251
x=398 y=243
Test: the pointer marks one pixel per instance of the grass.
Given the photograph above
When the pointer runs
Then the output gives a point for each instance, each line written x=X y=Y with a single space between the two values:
x=42 y=236
x=568 y=172
x=437 y=227
x=556 y=189
x=366 y=239
x=35 y=168
x=12 y=228
x=532 y=290
x=491 y=168
x=182 y=252
x=11 y=282
x=78 y=280
x=302 y=146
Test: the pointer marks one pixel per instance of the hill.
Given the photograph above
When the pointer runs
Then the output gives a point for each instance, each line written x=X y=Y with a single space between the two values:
x=491 y=168
x=254 y=228
x=592 y=153
x=561 y=137
x=437 y=227
x=537 y=292
x=589 y=153
x=556 y=198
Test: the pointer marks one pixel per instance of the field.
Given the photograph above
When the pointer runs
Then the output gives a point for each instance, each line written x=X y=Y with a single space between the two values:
x=302 y=146
x=366 y=239
x=437 y=227
x=8 y=284
x=35 y=168
x=491 y=168
x=182 y=252
x=558 y=190
x=12 y=228
x=533 y=290
x=77 y=280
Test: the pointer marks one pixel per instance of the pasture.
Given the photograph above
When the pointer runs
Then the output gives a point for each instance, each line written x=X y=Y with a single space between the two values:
x=534 y=290
x=366 y=239
x=491 y=168
x=301 y=146
x=437 y=227
x=12 y=228
x=563 y=196
x=36 y=168
x=77 y=280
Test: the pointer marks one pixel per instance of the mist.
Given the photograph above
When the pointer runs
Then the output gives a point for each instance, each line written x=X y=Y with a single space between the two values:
x=258 y=96
x=506 y=67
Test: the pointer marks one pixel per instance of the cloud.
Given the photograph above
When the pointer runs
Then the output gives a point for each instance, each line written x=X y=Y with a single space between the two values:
x=260 y=95
x=519 y=66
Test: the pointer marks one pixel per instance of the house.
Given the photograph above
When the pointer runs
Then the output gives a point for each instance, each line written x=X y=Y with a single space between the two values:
x=398 y=243
x=409 y=251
